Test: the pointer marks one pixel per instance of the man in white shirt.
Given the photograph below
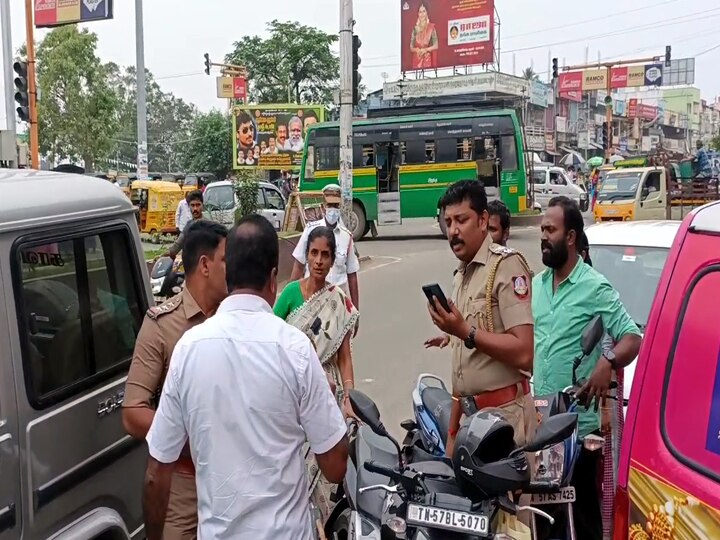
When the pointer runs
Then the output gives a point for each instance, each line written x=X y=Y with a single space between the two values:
x=344 y=271
x=248 y=390
x=183 y=215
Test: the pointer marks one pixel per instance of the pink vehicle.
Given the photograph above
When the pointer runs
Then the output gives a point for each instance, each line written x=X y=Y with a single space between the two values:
x=669 y=473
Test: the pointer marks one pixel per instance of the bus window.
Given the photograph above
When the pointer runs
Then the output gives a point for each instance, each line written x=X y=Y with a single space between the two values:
x=464 y=149
x=368 y=155
x=508 y=153
x=328 y=158
x=446 y=151
x=358 y=160
x=415 y=153
x=310 y=164
x=430 y=151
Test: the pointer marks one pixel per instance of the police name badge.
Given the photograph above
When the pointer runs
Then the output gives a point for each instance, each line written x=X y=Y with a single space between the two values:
x=520 y=286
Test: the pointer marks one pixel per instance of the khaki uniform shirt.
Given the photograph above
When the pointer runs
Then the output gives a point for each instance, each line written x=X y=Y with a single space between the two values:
x=162 y=328
x=474 y=371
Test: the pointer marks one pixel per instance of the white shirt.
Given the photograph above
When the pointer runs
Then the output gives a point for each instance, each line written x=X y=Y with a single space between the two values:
x=183 y=215
x=248 y=389
x=346 y=261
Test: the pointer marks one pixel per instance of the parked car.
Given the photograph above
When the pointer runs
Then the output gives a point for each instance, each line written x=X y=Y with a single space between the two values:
x=221 y=203
x=669 y=473
x=549 y=182
x=74 y=289
x=632 y=255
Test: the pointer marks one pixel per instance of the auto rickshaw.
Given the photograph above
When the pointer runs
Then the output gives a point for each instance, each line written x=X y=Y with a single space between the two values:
x=157 y=201
x=199 y=181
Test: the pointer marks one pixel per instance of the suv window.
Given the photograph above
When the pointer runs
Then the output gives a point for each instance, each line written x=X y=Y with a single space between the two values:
x=80 y=306
x=557 y=179
x=696 y=350
x=274 y=199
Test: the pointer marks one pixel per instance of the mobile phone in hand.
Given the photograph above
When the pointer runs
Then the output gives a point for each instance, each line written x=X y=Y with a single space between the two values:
x=434 y=291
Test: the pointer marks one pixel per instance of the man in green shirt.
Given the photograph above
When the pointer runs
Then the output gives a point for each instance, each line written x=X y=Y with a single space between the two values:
x=566 y=296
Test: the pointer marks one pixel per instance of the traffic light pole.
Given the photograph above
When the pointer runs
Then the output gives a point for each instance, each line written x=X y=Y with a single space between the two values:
x=142 y=149
x=346 y=106
x=6 y=36
x=32 y=85
x=608 y=77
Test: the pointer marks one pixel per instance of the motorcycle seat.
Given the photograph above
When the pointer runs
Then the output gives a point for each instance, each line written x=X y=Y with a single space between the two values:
x=438 y=403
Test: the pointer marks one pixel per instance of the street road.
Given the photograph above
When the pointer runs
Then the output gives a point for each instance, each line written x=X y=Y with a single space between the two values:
x=388 y=353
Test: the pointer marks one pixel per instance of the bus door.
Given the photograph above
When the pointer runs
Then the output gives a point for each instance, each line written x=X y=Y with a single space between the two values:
x=488 y=165
x=387 y=170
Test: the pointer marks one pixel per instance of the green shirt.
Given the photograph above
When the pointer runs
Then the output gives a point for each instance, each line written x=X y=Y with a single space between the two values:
x=560 y=319
x=289 y=300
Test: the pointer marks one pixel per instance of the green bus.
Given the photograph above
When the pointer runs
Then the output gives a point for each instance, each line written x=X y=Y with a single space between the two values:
x=402 y=165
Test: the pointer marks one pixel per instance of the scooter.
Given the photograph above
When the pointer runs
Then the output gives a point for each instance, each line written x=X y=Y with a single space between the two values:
x=388 y=498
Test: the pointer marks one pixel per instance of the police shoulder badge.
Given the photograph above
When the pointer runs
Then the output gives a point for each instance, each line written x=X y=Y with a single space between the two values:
x=520 y=286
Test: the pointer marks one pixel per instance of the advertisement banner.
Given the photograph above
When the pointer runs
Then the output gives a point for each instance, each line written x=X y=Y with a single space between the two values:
x=49 y=13
x=272 y=136
x=570 y=82
x=231 y=88
x=619 y=77
x=594 y=79
x=635 y=76
x=438 y=34
x=572 y=96
x=653 y=75
x=539 y=93
x=639 y=110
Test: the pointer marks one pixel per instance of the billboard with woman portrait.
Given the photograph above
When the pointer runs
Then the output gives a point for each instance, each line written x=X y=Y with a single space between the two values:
x=441 y=33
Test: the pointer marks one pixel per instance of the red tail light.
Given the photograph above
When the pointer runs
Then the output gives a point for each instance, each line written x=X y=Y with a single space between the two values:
x=621 y=521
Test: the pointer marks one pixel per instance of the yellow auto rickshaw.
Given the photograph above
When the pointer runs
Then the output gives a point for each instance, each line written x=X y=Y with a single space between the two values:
x=157 y=201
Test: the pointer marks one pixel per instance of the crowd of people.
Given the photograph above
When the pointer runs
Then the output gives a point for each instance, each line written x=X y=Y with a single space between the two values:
x=242 y=395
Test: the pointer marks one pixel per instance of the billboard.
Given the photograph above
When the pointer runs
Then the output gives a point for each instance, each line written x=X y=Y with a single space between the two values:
x=49 y=13
x=231 y=88
x=441 y=33
x=272 y=136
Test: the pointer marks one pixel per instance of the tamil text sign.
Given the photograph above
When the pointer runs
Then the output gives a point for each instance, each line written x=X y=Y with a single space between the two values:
x=620 y=77
x=455 y=85
x=445 y=33
x=231 y=88
x=60 y=12
x=272 y=136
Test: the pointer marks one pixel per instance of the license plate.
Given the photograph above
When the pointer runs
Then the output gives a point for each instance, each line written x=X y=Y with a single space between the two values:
x=565 y=495
x=611 y=212
x=451 y=520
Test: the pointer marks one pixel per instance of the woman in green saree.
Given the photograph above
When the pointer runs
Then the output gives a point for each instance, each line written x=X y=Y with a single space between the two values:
x=326 y=316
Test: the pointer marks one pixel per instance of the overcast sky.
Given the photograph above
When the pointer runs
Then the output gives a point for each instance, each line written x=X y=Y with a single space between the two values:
x=178 y=32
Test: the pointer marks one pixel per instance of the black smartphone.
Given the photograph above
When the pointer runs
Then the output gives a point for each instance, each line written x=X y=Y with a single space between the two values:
x=434 y=290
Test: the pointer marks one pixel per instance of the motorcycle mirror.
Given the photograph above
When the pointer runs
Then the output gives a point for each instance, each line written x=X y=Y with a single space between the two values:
x=553 y=430
x=592 y=334
x=367 y=411
x=161 y=267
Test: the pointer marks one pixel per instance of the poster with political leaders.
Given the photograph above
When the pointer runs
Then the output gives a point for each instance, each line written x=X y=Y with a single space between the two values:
x=272 y=136
x=446 y=33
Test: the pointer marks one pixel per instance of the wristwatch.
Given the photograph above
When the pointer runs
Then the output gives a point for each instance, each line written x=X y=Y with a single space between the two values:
x=610 y=355
x=470 y=340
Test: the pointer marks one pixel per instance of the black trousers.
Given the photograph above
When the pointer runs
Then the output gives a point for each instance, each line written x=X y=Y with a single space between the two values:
x=587 y=506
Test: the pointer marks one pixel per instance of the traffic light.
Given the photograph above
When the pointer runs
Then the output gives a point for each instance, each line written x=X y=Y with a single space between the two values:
x=668 y=55
x=605 y=136
x=21 y=91
x=207 y=64
x=555 y=68
x=356 y=65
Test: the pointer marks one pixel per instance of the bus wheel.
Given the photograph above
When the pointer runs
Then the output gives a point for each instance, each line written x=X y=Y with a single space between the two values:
x=359 y=227
x=441 y=223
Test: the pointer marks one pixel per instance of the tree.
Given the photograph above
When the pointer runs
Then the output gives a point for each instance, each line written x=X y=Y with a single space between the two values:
x=77 y=109
x=169 y=120
x=294 y=64
x=530 y=75
x=209 y=147
x=715 y=142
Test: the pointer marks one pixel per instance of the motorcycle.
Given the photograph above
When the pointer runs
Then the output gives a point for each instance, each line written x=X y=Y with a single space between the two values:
x=387 y=498
x=558 y=462
x=166 y=278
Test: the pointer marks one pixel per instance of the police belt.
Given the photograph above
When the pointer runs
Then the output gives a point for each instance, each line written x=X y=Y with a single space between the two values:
x=494 y=398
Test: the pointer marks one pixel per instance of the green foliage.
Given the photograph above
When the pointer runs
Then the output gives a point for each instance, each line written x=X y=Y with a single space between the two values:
x=77 y=108
x=246 y=189
x=529 y=74
x=715 y=142
x=209 y=146
x=295 y=63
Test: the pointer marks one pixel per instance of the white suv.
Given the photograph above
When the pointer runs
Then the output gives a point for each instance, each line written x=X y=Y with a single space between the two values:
x=220 y=203
x=549 y=182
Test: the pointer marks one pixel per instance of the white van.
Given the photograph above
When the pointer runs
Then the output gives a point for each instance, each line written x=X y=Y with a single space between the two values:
x=549 y=182
x=220 y=203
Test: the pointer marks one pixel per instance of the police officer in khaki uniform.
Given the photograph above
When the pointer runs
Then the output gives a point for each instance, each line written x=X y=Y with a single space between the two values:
x=164 y=325
x=489 y=325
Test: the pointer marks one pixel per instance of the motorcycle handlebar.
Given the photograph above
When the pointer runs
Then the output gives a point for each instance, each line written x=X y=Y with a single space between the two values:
x=373 y=467
x=543 y=486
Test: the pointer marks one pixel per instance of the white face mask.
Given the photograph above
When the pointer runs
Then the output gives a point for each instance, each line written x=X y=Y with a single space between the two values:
x=332 y=216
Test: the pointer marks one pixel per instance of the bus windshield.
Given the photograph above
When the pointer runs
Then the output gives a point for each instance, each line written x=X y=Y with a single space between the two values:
x=619 y=185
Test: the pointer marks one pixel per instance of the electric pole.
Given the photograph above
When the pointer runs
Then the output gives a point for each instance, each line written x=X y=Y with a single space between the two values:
x=6 y=37
x=346 y=106
x=32 y=86
x=142 y=151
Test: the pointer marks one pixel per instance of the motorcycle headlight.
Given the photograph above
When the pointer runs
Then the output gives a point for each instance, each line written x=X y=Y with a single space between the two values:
x=549 y=464
x=156 y=285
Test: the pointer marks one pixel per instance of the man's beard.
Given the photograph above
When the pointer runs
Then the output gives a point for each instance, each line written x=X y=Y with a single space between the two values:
x=557 y=256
